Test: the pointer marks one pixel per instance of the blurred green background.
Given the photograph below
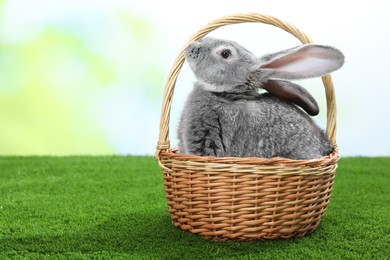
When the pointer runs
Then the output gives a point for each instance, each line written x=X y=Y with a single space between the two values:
x=69 y=73
x=87 y=77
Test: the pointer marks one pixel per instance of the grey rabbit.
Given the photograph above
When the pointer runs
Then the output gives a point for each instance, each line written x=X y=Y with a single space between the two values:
x=225 y=115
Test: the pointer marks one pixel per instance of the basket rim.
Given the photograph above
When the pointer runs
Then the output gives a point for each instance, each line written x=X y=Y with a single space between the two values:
x=330 y=159
x=163 y=144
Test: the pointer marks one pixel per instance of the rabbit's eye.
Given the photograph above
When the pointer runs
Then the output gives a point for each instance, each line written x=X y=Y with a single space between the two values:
x=226 y=54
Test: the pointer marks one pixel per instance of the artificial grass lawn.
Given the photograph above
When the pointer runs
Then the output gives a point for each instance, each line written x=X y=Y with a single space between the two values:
x=114 y=207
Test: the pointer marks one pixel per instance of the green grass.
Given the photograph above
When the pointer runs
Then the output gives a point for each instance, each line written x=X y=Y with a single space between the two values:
x=114 y=207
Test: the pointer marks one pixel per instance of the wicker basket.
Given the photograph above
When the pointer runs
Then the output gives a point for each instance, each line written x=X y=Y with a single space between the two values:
x=245 y=198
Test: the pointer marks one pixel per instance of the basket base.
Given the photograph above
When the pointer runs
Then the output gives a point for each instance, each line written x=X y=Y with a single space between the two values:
x=257 y=233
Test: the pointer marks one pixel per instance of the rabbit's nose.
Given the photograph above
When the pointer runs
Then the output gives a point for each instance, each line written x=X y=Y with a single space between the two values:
x=193 y=50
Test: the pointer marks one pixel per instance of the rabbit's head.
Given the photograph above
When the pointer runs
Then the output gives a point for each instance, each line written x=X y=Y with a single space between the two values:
x=220 y=65
x=225 y=66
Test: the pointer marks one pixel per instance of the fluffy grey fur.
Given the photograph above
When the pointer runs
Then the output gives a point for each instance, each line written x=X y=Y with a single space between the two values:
x=226 y=116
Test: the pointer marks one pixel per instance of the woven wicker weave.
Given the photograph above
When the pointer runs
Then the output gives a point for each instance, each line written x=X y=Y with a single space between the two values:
x=245 y=198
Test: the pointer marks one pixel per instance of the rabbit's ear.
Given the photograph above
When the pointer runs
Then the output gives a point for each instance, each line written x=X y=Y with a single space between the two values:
x=305 y=61
x=294 y=93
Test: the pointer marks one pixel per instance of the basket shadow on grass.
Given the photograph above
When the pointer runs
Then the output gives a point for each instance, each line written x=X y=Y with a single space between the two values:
x=149 y=236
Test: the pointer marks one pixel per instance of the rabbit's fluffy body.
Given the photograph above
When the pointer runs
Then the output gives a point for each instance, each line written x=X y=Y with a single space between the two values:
x=226 y=116
x=213 y=125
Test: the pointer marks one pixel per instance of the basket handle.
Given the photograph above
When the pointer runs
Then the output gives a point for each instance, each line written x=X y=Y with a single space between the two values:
x=163 y=141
